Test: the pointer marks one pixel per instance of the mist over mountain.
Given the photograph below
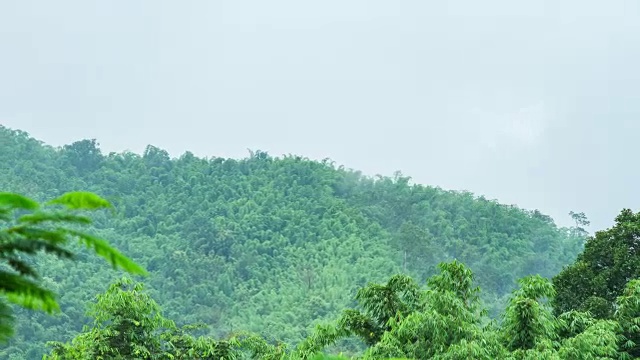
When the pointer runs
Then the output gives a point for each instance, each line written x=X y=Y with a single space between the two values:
x=524 y=103
x=269 y=244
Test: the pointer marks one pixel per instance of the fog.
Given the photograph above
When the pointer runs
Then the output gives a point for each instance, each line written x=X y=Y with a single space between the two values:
x=534 y=104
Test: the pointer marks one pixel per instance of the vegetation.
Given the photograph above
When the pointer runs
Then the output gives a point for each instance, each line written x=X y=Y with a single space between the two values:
x=396 y=320
x=31 y=228
x=128 y=325
x=604 y=278
x=279 y=246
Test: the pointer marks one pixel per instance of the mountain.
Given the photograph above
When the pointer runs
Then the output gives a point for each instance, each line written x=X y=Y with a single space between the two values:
x=267 y=244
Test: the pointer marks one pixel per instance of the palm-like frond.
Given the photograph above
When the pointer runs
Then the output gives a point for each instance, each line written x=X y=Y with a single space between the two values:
x=102 y=248
x=27 y=293
x=44 y=230
x=6 y=321
x=16 y=201
x=55 y=217
x=31 y=246
x=81 y=200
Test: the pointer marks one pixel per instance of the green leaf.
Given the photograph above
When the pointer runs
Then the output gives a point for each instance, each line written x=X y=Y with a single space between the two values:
x=31 y=246
x=40 y=217
x=32 y=233
x=6 y=322
x=16 y=201
x=102 y=248
x=26 y=293
x=81 y=200
x=4 y=214
x=22 y=267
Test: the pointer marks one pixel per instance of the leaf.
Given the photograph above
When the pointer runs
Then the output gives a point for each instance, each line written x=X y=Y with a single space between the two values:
x=40 y=217
x=32 y=233
x=22 y=267
x=81 y=200
x=6 y=322
x=102 y=248
x=26 y=293
x=4 y=214
x=31 y=246
x=16 y=201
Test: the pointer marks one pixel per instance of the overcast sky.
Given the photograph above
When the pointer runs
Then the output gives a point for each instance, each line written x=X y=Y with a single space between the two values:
x=532 y=103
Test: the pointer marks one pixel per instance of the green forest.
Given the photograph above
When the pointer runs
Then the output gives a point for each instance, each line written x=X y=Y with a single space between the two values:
x=289 y=258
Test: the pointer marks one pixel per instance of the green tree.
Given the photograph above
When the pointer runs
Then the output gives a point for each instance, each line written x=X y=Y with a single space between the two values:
x=447 y=322
x=401 y=320
x=628 y=317
x=29 y=228
x=528 y=321
x=600 y=273
x=580 y=219
x=381 y=303
x=446 y=325
x=85 y=155
x=128 y=324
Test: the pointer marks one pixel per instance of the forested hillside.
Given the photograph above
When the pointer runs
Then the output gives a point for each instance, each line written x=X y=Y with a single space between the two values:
x=264 y=244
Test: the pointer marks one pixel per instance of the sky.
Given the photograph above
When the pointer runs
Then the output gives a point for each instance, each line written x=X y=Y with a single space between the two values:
x=531 y=103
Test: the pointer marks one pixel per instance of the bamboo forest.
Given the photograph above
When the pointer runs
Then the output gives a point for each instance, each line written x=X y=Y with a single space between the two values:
x=148 y=256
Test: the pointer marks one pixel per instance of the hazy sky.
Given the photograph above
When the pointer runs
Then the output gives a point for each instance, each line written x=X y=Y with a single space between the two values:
x=534 y=103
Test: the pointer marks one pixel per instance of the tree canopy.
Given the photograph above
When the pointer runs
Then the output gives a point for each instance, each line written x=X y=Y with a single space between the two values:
x=396 y=320
x=269 y=245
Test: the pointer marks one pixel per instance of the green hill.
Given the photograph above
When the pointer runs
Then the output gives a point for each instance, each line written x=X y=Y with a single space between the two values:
x=265 y=244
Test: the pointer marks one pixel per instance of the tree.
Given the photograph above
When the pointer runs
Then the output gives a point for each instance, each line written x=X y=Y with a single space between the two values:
x=528 y=320
x=381 y=303
x=446 y=322
x=401 y=320
x=85 y=155
x=416 y=247
x=581 y=222
x=29 y=228
x=600 y=273
x=628 y=316
x=128 y=324
x=579 y=218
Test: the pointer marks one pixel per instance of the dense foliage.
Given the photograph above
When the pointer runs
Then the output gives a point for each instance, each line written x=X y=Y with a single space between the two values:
x=599 y=275
x=607 y=269
x=26 y=229
x=397 y=320
x=128 y=324
x=267 y=245
x=444 y=321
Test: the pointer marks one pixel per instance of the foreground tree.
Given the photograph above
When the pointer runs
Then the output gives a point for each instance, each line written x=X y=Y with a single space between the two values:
x=628 y=317
x=128 y=324
x=599 y=275
x=396 y=320
x=528 y=320
x=445 y=321
x=400 y=320
x=28 y=228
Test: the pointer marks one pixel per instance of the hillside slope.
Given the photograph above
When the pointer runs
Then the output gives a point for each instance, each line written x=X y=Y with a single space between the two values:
x=265 y=244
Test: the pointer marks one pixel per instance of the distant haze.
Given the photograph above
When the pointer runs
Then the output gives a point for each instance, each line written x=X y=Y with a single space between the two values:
x=531 y=103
